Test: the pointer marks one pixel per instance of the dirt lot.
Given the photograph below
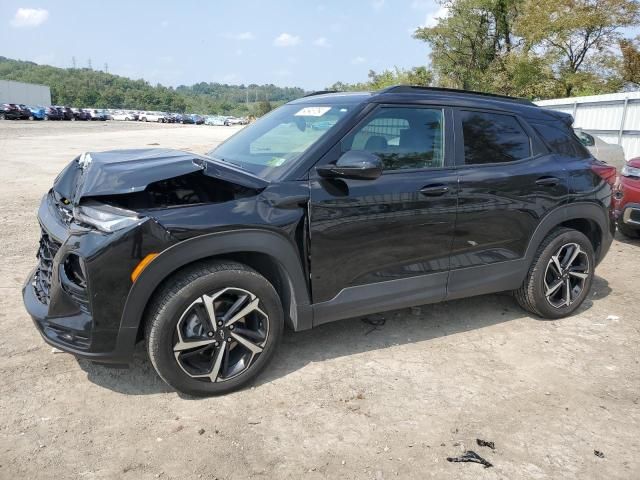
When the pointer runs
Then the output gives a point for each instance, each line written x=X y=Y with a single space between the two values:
x=343 y=401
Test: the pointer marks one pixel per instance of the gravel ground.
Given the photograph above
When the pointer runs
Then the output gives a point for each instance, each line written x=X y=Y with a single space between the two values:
x=345 y=400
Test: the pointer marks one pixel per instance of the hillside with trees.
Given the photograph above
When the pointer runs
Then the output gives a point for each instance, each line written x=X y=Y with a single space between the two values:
x=84 y=87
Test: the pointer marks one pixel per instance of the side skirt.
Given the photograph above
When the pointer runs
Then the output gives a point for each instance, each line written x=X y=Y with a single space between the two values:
x=380 y=297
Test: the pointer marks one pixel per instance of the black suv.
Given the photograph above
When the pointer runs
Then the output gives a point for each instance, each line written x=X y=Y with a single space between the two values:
x=335 y=205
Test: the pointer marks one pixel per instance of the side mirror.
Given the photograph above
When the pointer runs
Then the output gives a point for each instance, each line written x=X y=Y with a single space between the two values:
x=355 y=164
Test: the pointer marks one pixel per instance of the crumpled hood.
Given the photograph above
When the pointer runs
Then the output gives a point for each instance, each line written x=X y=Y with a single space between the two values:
x=126 y=171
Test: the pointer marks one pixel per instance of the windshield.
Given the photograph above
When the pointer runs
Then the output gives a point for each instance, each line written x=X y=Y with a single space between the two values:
x=278 y=139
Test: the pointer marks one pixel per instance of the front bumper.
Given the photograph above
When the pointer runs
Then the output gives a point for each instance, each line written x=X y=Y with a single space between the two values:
x=85 y=319
x=630 y=214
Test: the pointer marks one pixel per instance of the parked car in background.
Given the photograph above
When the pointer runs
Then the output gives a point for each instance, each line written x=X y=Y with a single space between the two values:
x=237 y=121
x=187 y=119
x=198 y=119
x=11 y=111
x=152 y=117
x=65 y=112
x=216 y=120
x=123 y=116
x=627 y=199
x=415 y=196
x=607 y=152
x=97 y=114
x=37 y=113
x=52 y=113
x=81 y=114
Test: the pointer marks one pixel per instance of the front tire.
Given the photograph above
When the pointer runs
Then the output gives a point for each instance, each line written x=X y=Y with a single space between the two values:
x=213 y=327
x=560 y=276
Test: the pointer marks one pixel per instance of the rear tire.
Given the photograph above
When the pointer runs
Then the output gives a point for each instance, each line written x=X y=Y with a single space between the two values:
x=230 y=351
x=628 y=231
x=560 y=276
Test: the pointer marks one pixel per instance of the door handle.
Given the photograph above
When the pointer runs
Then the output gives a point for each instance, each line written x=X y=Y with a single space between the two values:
x=434 y=190
x=548 y=181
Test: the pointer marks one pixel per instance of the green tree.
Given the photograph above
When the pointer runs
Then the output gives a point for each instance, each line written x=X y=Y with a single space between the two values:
x=263 y=107
x=576 y=32
x=418 y=76
x=465 y=43
x=529 y=48
x=629 y=67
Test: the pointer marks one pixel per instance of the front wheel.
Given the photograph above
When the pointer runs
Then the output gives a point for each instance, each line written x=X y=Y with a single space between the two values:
x=560 y=275
x=213 y=327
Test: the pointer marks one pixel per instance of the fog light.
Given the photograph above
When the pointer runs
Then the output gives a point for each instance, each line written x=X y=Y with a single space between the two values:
x=74 y=269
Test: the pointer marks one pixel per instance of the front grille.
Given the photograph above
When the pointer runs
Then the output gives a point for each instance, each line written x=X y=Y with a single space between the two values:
x=42 y=278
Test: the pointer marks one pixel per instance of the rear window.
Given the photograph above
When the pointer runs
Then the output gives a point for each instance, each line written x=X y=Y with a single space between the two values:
x=493 y=138
x=560 y=140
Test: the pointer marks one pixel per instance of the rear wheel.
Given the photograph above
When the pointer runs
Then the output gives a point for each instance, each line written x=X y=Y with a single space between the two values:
x=213 y=327
x=560 y=275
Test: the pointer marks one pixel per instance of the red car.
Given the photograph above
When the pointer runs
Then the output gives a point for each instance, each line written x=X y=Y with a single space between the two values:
x=627 y=199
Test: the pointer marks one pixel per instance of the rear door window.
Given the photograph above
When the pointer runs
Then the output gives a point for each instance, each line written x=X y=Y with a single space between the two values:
x=493 y=138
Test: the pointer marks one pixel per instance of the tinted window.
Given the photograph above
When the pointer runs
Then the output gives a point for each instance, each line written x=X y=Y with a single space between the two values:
x=492 y=138
x=585 y=139
x=402 y=137
x=561 y=141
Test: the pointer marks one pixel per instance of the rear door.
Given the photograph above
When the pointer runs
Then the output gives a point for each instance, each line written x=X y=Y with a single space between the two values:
x=375 y=242
x=507 y=182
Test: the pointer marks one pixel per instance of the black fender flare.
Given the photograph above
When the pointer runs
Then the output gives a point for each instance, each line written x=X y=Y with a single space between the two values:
x=573 y=211
x=276 y=246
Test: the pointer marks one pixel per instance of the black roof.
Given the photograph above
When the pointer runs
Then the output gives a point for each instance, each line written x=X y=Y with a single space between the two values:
x=461 y=98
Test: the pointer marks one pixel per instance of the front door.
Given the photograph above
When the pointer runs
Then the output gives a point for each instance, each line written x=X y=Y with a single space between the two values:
x=385 y=243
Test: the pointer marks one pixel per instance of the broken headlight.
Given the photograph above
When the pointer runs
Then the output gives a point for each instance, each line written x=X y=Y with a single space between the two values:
x=105 y=218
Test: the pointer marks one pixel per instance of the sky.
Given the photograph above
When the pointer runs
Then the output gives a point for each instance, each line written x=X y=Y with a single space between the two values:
x=310 y=44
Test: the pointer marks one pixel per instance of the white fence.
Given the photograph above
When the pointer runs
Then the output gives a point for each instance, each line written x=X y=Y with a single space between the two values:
x=615 y=118
x=27 y=93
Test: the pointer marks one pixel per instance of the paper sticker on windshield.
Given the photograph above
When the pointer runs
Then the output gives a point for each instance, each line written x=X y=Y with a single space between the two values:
x=312 y=111
x=276 y=161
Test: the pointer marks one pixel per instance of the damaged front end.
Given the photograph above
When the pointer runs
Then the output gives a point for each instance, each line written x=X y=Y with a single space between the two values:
x=103 y=216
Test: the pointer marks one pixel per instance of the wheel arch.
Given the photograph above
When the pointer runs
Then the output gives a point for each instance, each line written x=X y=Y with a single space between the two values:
x=270 y=254
x=588 y=218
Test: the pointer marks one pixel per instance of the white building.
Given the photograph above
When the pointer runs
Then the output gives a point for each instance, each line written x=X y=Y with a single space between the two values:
x=27 y=93
x=615 y=117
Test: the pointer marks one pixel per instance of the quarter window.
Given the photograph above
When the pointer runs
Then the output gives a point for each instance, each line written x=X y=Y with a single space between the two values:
x=493 y=138
x=561 y=141
x=403 y=138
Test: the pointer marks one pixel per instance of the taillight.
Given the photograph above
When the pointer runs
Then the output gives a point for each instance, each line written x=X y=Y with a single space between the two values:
x=605 y=171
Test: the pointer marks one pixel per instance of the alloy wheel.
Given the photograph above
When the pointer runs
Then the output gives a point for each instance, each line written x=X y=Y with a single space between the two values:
x=565 y=275
x=220 y=335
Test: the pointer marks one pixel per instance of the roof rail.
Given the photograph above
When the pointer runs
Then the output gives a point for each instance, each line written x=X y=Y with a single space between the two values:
x=320 y=92
x=412 y=89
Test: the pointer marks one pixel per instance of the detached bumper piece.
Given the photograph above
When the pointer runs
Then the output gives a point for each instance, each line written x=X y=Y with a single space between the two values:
x=50 y=284
x=58 y=293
